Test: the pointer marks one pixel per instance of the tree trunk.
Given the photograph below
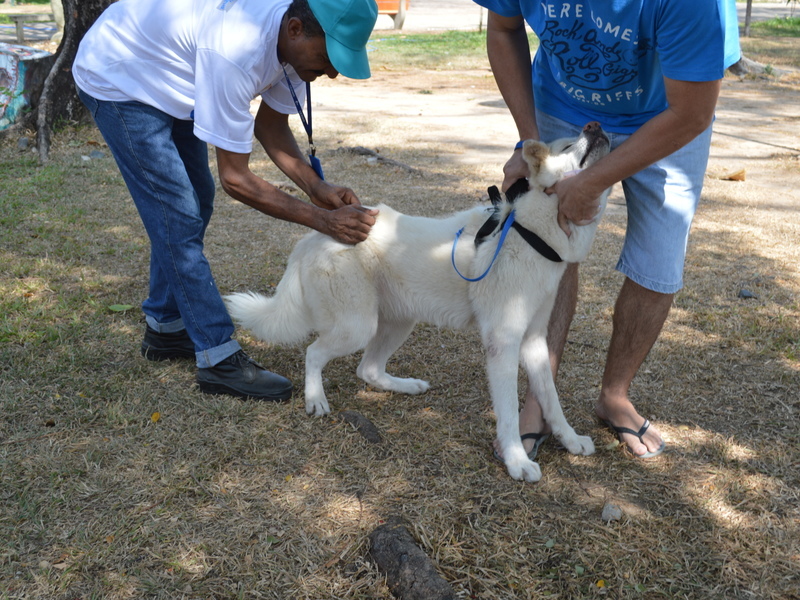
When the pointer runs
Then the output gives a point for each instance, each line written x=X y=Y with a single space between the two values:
x=59 y=102
x=747 y=66
x=747 y=16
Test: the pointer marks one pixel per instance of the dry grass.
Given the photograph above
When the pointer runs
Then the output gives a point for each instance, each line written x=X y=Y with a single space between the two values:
x=219 y=498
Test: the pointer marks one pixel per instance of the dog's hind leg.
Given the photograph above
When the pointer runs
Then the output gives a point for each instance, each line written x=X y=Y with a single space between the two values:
x=372 y=369
x=535 y=359
x=351 y=333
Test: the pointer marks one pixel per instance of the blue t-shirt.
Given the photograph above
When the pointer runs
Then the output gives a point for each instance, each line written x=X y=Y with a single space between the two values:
x=605 y=60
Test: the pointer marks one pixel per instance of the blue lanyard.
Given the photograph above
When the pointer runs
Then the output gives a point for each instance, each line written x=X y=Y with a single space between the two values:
x=503 y=233
x=315 y=163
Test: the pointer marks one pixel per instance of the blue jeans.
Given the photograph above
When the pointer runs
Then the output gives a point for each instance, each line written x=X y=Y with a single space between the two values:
x=661 y=200
x=166 y=170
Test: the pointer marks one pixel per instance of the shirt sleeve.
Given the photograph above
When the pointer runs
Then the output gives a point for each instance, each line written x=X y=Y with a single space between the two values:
x=279 y=98
x=691 y=40
x=504 y=8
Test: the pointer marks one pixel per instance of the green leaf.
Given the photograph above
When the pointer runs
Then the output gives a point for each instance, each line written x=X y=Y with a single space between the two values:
x=120 y=307
x=579 y=570
x=550 y=543
x=641 y=588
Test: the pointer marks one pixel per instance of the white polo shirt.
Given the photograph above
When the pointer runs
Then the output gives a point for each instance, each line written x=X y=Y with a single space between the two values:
x=200 y=59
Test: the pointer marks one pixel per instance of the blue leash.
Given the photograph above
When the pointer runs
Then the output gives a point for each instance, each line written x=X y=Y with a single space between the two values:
x=315 y=163
x=506 y=227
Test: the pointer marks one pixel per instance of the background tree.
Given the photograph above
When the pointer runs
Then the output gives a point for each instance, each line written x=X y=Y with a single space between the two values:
x=59 y=102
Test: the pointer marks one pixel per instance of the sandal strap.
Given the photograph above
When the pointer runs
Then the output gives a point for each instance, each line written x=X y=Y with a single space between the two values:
x=533 y=436
x=639 y=434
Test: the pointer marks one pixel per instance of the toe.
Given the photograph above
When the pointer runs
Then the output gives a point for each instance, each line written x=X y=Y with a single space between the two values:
x=651 y=443
x=635 y=446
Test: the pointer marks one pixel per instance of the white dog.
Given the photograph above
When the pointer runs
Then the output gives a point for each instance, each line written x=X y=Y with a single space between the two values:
x=370 y=296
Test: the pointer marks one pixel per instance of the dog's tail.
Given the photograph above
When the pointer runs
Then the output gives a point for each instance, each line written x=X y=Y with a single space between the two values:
x=281 y=319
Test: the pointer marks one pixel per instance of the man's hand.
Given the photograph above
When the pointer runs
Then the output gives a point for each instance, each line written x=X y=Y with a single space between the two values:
x=331 y=197
x=578 y=201
x=334 y=210
x=515 y=168
x=345 y=220
x=349 y=224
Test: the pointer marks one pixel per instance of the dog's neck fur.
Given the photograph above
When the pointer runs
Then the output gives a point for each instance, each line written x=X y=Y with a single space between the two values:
x=538 y=212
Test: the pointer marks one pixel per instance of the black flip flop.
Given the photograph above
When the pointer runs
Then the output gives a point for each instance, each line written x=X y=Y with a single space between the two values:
x=639 y=434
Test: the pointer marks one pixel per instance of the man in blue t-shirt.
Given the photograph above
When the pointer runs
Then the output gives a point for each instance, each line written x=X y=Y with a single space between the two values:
x=649 y=72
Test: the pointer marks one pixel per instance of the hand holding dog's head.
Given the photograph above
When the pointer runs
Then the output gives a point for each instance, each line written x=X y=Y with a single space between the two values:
x=561 y=160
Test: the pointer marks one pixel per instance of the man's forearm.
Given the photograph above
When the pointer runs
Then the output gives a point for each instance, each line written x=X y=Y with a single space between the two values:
x=510 y=59
x=273 y=132
x=690 y=112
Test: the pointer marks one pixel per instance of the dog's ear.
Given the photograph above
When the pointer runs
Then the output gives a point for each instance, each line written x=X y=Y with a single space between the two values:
x=494 y=195
x=519 y=187
x=535 y=153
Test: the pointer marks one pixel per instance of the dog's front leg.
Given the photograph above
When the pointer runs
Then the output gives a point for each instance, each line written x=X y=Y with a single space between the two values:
x=502 y=365
x=535 y=358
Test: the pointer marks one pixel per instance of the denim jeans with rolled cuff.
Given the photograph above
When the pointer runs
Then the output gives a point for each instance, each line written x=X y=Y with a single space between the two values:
x=165 y=167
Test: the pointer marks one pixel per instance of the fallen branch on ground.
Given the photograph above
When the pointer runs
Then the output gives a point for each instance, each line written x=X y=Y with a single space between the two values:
x=363 y=425
x=367 y=152
x=410 y=574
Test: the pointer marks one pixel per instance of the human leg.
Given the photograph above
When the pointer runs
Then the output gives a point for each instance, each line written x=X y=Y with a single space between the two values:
x=166 y=171
x=183 y=292
x=661 y=201
x=639 y=315
x=161 y=307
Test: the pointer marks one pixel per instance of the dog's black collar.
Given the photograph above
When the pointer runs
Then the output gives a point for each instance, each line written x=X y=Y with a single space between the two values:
x=537 y=243
x=491 y=224
x=488 y=228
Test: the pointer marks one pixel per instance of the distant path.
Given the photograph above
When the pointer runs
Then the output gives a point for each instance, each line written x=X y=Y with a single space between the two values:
x=423 y=15
x=465 y=14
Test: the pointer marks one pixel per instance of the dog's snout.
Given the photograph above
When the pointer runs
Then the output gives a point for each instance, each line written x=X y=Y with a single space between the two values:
x=594 y=133
x=596 y=141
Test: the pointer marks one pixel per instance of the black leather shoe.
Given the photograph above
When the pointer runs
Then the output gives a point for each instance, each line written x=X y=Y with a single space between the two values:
x=165 y=346
x=239 y=375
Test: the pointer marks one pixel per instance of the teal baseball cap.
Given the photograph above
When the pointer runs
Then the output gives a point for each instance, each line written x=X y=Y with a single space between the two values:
x=347 y=25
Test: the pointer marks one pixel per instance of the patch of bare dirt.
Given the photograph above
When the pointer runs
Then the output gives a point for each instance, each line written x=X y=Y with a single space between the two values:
x=462 y=113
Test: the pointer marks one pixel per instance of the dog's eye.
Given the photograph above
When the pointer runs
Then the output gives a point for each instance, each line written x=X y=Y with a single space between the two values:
x=567 y=147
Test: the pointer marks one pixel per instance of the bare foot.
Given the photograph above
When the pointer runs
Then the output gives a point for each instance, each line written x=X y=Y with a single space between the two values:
x=621 y=413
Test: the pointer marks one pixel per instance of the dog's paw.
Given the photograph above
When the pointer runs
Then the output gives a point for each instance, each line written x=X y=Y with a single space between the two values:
x=578 y=444
x=524 y=470
x=410 y=386
x=519 y=465
x=399 y=385
x=317 y=407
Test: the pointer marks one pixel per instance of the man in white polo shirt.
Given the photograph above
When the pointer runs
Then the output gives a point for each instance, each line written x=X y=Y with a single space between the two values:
x=164 y=78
